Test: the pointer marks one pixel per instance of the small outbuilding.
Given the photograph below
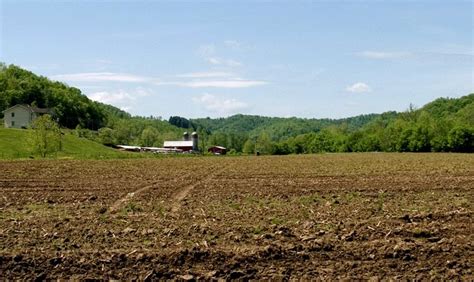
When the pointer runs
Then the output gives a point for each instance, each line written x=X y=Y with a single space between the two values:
x=21 y=116
x=217 y=150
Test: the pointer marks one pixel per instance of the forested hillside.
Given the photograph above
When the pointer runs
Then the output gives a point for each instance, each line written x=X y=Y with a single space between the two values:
x=75 y=110
x=19 y=86
x=444 y=125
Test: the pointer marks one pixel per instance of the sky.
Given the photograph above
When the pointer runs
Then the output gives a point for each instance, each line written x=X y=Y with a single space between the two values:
x=311 y=59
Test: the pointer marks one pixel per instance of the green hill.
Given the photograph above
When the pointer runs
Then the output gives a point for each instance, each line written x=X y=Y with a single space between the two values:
x=14 y=144
x=74 y=110
x=444 y=125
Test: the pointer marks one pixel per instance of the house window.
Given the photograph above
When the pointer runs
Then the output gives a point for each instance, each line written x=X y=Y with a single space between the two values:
x=13 y=114
x=13 y=123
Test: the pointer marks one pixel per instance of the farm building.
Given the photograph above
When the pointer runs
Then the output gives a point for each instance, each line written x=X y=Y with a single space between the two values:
x=186 y=145
x=129 y=148
x=21 y=116
x=156 y=150
x=217 y=150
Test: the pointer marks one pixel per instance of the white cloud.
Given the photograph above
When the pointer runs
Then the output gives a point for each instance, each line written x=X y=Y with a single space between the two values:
x=99 y=77
x=359 y=87
x=207 y=50
x=189 y=80
x=232 y=63
x=224 y=62
x=143 y=92
x=209 y=53
x=116 y=98
x=210 y=79
x=220 y=105
x=379 y=55
x=234 y=44
x=224 y=83
x=205 y=74
x=214 y=61
x=104 y=61
x=120 y=98
x=229 y=83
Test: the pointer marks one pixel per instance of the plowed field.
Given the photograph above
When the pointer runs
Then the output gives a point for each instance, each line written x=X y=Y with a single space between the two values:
x=319 y=216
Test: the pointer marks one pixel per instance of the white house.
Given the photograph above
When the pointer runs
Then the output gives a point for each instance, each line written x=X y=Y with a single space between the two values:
x=21 y=116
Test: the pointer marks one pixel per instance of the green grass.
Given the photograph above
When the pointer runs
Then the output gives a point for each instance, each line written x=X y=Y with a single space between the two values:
x=14 y=144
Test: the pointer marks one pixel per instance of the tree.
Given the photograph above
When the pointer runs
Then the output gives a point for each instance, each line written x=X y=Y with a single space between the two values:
x=264 y=144
x=46 y=136
x=180 y=122
x=249 y=147
x=148 y=136
x=461 y=139
x=106 y=136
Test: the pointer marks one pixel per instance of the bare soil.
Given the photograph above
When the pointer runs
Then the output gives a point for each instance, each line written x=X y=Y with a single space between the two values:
x=345 y=216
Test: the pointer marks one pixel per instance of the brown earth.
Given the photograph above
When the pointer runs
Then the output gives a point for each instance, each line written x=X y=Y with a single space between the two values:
x=366 y=216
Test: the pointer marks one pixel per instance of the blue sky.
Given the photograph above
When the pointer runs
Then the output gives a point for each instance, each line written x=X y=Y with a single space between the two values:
x=217 y=58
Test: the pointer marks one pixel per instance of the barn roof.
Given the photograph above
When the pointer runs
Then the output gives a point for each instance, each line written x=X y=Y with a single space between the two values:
x=129 y=147
x=177 y=144
x=218 y=147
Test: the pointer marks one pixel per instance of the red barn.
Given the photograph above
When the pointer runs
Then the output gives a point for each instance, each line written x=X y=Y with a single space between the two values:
x=217 y=150
x=185 y=146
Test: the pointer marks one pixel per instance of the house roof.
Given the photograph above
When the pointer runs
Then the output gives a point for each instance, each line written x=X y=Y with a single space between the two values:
x=31 y=109
x=40 y=110
x=177 y=144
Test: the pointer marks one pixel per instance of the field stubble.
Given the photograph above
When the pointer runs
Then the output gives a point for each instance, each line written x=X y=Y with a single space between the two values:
x=328 y=216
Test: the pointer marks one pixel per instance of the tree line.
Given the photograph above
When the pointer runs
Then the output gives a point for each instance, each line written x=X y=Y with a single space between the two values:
x=444 y=125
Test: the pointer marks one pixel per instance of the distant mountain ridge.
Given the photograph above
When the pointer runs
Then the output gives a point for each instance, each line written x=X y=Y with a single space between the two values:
x=280 y=127
x=445 y=124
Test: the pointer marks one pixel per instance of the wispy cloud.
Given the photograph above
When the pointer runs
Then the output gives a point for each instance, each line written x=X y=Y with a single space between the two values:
x=224 y=83
x=224 y=62
x=120 y=98
x=220 y=105
x=211 y=79
x=205 y=74
x=234 y=44
x=213 y=61
x=104 y=61
x=358 y=87
x=207 y=50
x=209 y=53
x=423 y=55
x=381 y=55
x=229 y=83
x=100 y=77
x=142 y=92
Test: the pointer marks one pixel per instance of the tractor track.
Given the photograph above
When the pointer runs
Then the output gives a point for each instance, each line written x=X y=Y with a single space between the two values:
x=179 y=196
x=120 y=202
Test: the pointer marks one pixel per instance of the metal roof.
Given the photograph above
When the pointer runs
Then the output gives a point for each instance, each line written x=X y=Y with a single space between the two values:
x=177 y=144
x=129 y=147
x=218 y=147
